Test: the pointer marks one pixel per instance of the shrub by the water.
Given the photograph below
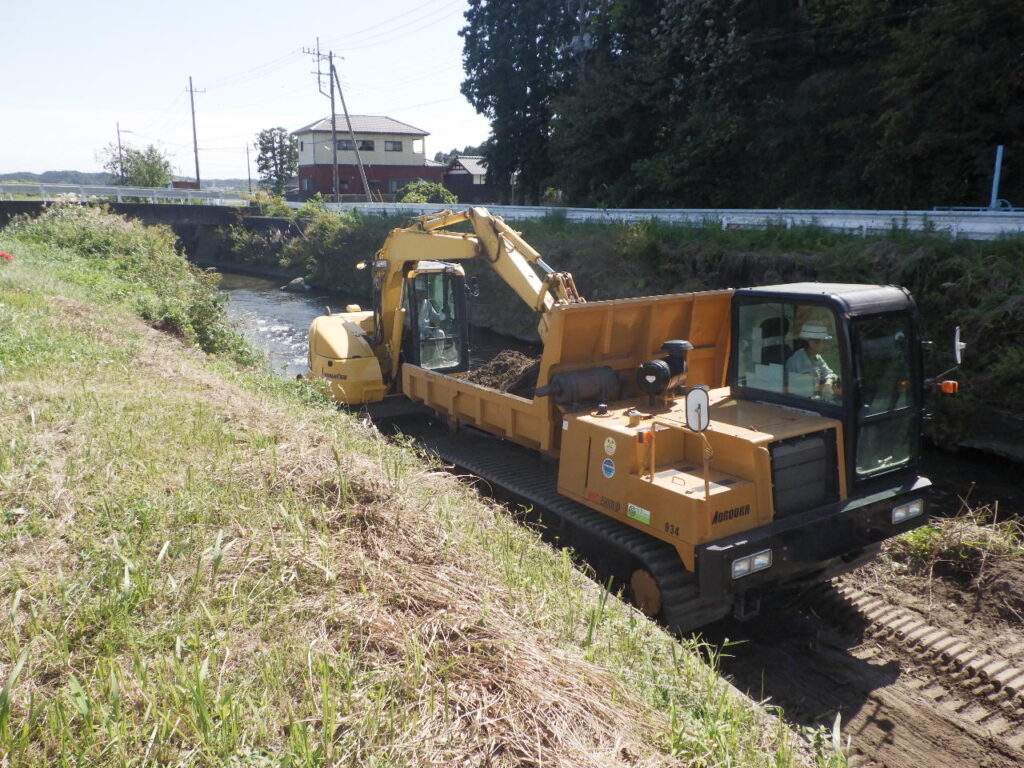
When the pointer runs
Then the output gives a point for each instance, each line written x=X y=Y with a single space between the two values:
x=139 y=265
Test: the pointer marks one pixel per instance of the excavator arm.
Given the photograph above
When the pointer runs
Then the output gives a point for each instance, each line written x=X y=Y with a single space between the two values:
x=426 y=239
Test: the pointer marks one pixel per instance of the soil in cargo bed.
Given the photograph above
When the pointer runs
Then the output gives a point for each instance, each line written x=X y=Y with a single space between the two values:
x=508 y=371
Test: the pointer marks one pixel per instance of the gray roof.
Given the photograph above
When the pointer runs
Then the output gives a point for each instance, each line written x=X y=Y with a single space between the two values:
x=475 y=164
x=363 y=124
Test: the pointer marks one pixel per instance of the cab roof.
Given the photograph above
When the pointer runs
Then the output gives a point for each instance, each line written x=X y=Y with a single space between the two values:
x=852 y=298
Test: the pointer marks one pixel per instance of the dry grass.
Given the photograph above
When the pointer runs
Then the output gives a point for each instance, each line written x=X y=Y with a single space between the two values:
x=203 y=566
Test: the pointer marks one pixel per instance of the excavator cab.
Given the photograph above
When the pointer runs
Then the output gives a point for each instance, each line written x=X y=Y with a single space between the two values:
x=436 y=325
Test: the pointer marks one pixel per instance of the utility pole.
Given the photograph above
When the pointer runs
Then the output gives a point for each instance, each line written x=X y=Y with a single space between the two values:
x=351 y=133
x=248 y=169
x=996 y=172
x=195 y=142
x=120 y=154
x=334 y=131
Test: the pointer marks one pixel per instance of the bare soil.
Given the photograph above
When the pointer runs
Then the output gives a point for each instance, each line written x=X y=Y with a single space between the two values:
x=988 y=608
x=895 y=710
x=508 y=371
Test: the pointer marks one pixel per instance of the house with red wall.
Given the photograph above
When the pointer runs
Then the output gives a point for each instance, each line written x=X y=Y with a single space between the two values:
x=392 y=153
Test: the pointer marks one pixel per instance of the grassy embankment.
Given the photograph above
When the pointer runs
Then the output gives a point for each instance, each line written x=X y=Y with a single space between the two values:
x=205 y=565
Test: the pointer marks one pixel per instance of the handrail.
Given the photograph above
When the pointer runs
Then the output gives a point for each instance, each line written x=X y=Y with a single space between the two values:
x=981 y=224
x=9 y=189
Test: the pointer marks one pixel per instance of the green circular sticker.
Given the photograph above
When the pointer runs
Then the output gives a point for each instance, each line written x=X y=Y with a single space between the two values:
x=609 y=446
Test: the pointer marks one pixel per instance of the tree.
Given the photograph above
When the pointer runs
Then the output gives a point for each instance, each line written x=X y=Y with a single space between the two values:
x=512 y=53
x=447 y=157
x=423 y=191
x=278 y=158
x=132 y=167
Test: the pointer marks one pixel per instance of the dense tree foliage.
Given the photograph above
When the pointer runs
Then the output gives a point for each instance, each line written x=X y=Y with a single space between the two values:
x=859 y=103
x=278 y=158
x=451 y=154
x=513 y=60
x=132 y=167
x=423 y=191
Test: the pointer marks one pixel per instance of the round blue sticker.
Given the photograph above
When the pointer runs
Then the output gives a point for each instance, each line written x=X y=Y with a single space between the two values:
x=608 y=468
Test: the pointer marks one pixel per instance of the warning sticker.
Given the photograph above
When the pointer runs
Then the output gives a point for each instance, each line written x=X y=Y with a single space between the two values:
x=610 y=446
x=608 y=468
x=639 y=513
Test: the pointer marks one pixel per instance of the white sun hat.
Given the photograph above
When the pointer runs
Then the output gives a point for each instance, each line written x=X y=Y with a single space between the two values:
x=815 y=331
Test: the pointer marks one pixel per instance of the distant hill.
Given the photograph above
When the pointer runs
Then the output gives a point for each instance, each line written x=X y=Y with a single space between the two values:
x=102 y=179
x=58 y=177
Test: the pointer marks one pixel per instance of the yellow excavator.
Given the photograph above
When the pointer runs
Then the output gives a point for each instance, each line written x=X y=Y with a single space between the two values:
x=710 y=446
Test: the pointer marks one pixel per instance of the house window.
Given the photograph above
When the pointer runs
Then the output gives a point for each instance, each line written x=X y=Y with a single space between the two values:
x=307 y=184
x=480 y=180
x=365 y=145
x=302 y=146
x=392 y=146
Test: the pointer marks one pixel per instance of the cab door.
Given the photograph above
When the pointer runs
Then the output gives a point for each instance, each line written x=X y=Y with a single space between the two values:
x=436 y=333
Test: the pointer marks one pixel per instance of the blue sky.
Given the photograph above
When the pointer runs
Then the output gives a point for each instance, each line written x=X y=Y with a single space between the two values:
x=73 y=70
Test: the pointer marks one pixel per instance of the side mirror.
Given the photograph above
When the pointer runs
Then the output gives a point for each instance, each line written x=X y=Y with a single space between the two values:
x=950 y=387
x=958 y=346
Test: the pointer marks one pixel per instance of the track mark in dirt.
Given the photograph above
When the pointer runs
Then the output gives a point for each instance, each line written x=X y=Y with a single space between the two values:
x=898 y=711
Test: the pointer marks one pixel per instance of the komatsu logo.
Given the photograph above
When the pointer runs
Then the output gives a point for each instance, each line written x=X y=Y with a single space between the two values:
x=731 y=514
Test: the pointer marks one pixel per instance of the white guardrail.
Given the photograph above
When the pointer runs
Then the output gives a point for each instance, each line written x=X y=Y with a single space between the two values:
x=13 y=190
x=970 y=225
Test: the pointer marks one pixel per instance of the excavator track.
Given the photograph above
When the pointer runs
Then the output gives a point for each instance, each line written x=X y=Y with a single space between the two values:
x=613 y=549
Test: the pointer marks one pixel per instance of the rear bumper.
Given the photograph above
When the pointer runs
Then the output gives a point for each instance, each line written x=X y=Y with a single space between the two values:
x=821 y=542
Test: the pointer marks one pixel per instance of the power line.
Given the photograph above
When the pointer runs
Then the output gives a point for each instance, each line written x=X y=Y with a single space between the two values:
x=424 y=104
x=415 y=30
x=256 y=72
x=277 y=96
x=347 y=38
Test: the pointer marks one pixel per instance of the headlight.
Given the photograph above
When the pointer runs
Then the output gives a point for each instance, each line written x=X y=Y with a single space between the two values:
x=905 y=512
x=744 y=566
x=740 y=567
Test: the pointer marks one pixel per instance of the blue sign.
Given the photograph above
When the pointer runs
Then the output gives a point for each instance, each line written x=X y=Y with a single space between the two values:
x=608 y=468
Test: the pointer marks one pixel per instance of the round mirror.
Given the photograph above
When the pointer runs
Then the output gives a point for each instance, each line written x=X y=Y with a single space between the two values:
x=697 y=409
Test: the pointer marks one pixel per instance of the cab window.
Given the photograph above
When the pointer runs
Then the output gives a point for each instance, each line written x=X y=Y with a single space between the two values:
x=887 y=414
x=432 y=300
x=789 y=349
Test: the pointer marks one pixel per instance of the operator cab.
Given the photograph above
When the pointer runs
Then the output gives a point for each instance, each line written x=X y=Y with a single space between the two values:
x=850 y=352
x=436 y=333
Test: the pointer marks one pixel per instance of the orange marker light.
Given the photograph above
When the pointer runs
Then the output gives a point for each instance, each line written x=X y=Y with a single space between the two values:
x=949 y=387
